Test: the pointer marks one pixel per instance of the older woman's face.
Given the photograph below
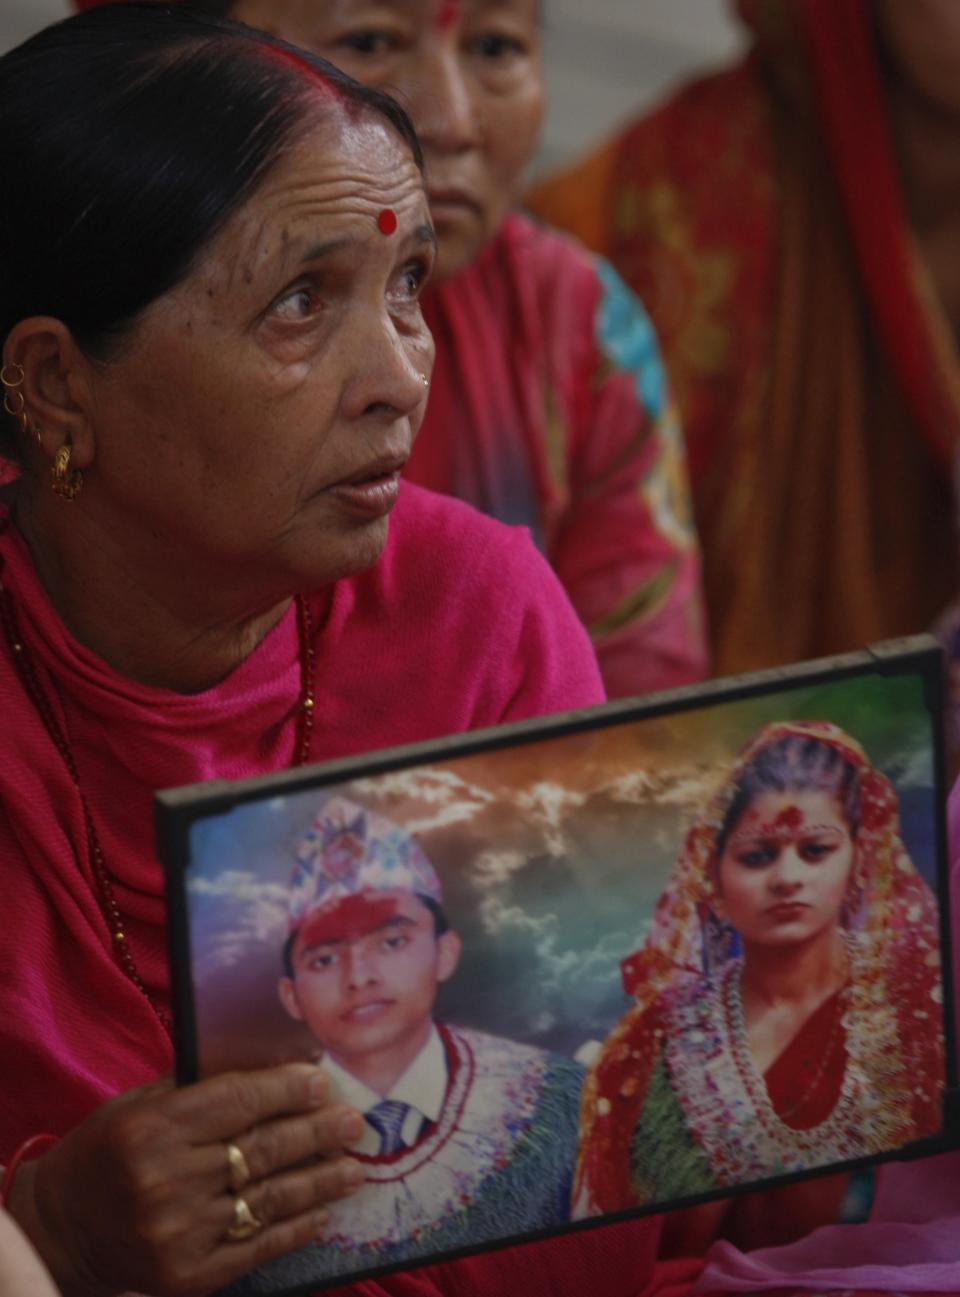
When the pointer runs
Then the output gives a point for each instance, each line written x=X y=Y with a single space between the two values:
x=259 y=414
x=468 y=72
x=785 y=868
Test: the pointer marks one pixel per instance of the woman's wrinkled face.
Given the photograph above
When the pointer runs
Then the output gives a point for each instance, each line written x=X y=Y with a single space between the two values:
x=467 y=71
x=785 y=868
x=259 y=414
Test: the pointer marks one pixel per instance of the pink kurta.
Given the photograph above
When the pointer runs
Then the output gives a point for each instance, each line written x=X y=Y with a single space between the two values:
x=460 y=624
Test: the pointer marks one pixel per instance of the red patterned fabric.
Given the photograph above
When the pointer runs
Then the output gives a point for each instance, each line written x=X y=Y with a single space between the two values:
x=758 y=215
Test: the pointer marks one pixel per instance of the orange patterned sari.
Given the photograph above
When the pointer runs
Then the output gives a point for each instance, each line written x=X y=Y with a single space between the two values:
x=759 y=216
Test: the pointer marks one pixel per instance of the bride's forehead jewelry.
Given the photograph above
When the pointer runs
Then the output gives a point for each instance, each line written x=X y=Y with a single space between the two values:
x=387 y=221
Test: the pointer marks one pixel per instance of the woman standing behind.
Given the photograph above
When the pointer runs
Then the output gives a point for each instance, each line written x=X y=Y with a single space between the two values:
x=792 y=226
x=793 y=962
x=549 y=405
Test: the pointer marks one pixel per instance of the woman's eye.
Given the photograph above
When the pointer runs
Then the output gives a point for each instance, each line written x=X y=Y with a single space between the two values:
x=299 y=304
x=367 y=42
x=756 y=857
x=495 y=45
x=814 y=851
x=412 y=280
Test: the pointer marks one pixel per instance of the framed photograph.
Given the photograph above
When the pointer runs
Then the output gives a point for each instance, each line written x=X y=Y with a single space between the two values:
x=614 y=961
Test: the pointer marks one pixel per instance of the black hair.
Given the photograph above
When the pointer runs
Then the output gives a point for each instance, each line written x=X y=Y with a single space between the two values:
x=441 y=924
x=130 y=134
x=795 y=763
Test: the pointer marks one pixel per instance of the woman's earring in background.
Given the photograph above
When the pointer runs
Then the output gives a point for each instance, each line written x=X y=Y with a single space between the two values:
x=64 y=482
x=424 y=380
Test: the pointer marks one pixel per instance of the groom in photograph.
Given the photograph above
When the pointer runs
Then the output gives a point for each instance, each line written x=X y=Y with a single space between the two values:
x=469 y=1137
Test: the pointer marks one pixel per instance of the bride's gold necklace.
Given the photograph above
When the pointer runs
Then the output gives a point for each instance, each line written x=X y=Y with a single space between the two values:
x=105 y=895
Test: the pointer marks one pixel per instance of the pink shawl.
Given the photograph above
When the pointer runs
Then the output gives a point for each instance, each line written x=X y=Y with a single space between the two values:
x=460 y=625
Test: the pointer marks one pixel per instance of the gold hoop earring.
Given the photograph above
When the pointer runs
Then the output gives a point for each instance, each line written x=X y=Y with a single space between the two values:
x=63 y=482
x=12 y=395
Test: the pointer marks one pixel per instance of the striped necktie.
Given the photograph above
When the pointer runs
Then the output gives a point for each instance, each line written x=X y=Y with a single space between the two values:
x=387 y=1120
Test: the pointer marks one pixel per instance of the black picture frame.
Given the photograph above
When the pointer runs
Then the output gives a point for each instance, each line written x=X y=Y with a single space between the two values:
x=180 y=811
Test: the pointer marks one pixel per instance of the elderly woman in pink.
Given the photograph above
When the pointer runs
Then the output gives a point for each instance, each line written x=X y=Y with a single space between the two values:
x=213 y=367
x=549 y=405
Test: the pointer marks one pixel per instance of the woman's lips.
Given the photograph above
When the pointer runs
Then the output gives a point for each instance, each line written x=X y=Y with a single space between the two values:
x=787 y=910
x=373 y=492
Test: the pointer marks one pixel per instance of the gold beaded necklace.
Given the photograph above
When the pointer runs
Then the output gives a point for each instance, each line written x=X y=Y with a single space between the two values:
x=105 y=895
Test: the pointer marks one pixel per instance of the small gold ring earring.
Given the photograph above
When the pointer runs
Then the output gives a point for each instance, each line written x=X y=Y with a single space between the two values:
x=10 y=396
x=12 y=382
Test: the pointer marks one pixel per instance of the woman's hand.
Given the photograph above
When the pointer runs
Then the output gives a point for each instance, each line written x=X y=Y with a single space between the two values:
x=138 y=1195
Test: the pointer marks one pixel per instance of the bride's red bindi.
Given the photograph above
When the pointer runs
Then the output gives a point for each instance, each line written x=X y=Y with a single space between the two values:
x=447 y=13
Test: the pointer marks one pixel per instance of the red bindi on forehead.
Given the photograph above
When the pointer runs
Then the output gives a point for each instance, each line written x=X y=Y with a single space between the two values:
x=387 y=221
x=791 y=817
x=348 y=920
x=448 y=11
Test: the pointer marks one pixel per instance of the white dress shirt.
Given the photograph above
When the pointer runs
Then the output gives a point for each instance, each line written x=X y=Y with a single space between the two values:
x=422 y=1086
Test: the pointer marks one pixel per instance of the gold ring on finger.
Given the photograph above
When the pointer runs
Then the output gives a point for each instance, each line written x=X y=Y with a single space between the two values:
x=245 y=1224
x=239 y=1172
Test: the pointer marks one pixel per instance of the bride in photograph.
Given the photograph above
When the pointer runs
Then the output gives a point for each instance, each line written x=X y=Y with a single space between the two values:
x=788 y=996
